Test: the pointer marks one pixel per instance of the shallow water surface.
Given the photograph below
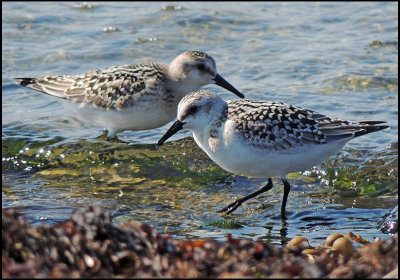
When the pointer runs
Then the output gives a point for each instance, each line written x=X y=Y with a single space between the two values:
x=338 y=58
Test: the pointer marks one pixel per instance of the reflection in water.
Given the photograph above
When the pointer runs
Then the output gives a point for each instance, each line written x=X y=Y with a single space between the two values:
x=284 y=232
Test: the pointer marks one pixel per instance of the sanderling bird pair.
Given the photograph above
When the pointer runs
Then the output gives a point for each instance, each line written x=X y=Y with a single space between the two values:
x=248 y=137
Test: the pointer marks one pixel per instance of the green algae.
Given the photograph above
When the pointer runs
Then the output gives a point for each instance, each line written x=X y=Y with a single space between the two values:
x=225 y=224
x=182 y=164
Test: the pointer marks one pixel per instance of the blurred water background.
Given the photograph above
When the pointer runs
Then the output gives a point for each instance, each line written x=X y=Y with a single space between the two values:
x=337 y=58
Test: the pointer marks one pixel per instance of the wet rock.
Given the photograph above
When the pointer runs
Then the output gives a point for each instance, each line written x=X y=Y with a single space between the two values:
x=390 y=221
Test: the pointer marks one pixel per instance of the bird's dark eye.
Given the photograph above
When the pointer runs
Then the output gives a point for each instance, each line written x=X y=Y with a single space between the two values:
x=193 y=110
x=201 y=66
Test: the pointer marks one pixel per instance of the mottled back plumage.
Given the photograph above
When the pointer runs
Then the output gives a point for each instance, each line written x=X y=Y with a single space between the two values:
x=116 y=87
x=279 y=126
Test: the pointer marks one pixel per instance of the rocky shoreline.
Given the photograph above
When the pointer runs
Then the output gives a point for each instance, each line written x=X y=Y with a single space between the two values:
x=91 y=245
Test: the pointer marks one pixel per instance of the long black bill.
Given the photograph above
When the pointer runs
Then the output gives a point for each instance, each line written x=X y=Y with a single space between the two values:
x=171 y=131
x=223 y=83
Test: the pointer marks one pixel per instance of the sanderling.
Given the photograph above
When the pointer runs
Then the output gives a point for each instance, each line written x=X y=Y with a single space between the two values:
x=132 y=97
x=263 y=138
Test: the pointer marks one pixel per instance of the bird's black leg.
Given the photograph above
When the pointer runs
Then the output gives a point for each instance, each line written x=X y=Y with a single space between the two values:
x=286 y=190
x=233 y=206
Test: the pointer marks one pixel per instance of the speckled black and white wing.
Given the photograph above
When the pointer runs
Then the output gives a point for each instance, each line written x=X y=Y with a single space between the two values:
x=280 y=126
x=112 y=88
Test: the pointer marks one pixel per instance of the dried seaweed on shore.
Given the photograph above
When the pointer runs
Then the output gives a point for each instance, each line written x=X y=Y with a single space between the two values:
x=91 y=245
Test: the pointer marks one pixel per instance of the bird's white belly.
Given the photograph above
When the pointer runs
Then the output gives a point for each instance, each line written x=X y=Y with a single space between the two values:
x=140 y=117
x=241 y=158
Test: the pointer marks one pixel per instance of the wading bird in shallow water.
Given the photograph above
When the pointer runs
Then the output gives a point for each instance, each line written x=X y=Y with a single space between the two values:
x=132 y=97
x=263 y=138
